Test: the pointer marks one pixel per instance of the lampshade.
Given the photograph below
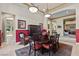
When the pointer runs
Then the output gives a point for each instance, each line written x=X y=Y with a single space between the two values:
x=33 y=9
x=47 y=15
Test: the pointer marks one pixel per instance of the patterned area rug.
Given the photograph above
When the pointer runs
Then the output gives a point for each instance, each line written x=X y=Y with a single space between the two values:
x=64 y=50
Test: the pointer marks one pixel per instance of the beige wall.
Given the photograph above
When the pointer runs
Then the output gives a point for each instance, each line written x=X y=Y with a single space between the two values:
x=21 y=12
x=59 y=21
x=72 y=6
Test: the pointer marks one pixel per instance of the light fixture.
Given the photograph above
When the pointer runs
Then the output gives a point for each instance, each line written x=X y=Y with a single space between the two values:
x=44 y=10
x=33 y=9
x=10 y=18
x=47 y=12
x=47 y=15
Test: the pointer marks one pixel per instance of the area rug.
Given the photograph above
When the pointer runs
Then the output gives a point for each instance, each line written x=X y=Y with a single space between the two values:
x=64 y=50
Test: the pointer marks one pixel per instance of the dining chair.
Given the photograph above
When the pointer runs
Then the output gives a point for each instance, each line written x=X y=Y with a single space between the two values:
x=55 y=42
x=23 y=38
x=46 y=45
x=36 y=46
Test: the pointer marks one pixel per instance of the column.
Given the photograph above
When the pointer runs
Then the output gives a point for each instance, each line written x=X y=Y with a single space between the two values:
x=77 y=25
x=45 y=24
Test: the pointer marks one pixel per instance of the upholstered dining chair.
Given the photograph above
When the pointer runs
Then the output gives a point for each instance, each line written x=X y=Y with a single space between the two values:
x=23 y=38
x=55 y=42
x=36 y=46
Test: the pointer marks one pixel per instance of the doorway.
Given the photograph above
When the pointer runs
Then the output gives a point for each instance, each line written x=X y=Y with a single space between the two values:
x=8 y=28
x=69 y=26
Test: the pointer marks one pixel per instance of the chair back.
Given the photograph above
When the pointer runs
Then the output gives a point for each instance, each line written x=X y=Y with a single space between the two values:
x=57 y=37
x=53 y=39
x=22 y=38
x=35 y=37
x=21 y=35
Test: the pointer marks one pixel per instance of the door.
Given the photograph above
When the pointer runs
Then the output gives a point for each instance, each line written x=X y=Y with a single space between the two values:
x=8 y=28
x=9 y=31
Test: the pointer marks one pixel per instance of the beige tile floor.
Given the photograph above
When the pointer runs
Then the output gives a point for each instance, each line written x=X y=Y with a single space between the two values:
x=9 y=50
x=75 y=51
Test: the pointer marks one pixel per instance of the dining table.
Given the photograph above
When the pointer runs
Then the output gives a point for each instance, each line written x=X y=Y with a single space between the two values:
x=42 y=41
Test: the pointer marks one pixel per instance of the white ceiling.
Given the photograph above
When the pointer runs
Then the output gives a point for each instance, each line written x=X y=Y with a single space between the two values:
x=66 y=12
x=43 y=6
x=50 y=6
x=63 y=13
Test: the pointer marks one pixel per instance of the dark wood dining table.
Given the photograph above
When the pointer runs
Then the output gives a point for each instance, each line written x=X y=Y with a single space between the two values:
x=41 y=42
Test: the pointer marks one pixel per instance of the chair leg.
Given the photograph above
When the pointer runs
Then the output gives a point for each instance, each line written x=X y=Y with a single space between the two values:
x=35 y=53
x=29 y=49
x=49 y=52
x=42 y=51
x=54 y=48
x=58 y=45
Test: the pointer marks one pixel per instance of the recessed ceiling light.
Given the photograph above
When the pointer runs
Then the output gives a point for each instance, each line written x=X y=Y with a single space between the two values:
x=33 y=9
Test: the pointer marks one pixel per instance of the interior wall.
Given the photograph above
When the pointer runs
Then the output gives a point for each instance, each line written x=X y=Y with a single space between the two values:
x=45 y=23
x=77 y=24
x=21 y=12
x=59 y=22
x=0 y=23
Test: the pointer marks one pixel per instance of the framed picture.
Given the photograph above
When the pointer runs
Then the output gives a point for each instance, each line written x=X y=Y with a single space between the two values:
x=21 y=24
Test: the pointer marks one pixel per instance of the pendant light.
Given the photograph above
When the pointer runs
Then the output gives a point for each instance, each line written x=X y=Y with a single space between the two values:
x=47 y=15
x=47 y=12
